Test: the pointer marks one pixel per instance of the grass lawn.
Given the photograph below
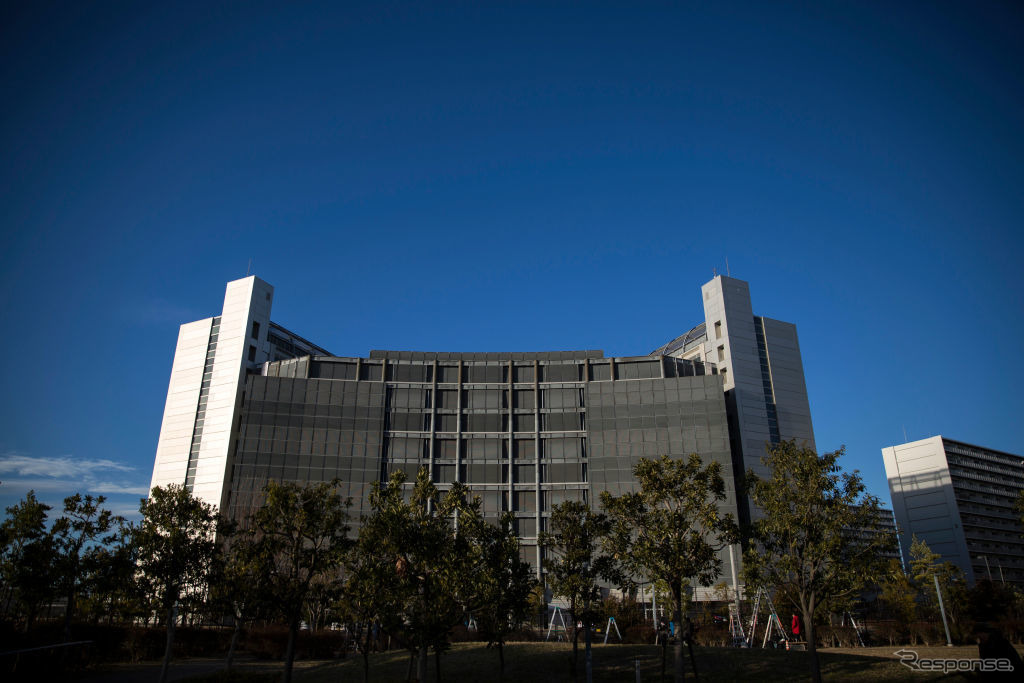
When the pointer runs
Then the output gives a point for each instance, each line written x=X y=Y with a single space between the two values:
x=540 y=662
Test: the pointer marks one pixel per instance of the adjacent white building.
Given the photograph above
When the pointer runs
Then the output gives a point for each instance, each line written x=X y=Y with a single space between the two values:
x=211 y=360
x=959 y=499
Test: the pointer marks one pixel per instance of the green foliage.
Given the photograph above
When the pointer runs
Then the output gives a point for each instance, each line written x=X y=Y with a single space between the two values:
x=114 y=586
x=299 y=534
x=420 y=569
x=898 y=594
x=79 y=535
x=504 y=583
x=576 y=563
x=671 y=529
x=924 y=565
x=818 y=540
x=175 y=542
x=28 y=559
x=573 y=558
x=296 y=540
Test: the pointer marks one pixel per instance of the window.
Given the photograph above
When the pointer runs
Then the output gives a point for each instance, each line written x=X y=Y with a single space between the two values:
x=725 y=375
x=255 y=330
x=721 y=353
x=718 y=329
x=252 y=354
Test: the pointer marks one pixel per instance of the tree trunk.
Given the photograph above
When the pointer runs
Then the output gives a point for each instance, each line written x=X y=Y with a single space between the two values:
x=234 y=642
x=501 y=658
x=289 y=655
x=67 y=614
x=366 y=654
x=588 y=659
x=812 y=646
x=677 y=649
x=689 y=647
x=171 y=619
x=437 y=664
x=575 y=646
x=421 y=665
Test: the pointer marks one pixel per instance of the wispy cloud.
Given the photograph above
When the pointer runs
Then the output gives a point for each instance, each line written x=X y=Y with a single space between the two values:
x=66 y=475
x=26 y=466
x=109 y=487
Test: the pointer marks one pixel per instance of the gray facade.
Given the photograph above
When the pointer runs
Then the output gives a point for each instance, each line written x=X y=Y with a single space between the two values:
x=524 y=431
x=249 y=402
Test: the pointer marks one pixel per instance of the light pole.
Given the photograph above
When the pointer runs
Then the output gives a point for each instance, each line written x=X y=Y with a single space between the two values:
x=942 y=611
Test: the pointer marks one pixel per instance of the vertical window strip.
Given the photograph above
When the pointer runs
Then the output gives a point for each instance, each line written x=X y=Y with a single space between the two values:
x=766 y=381
x=204 y=392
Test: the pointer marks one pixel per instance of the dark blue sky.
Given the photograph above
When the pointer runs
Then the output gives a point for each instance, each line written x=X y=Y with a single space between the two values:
x=510 y=177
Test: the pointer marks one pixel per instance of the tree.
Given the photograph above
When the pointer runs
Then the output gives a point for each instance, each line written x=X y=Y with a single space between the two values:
x=925 y=566
x=424 y=548
x=672 y=529
x=298 y=535
x=77 y=533
x=371 y=600
x=175 y=542
x=28 y=558
x=504 y=583
x=237 y=585
x=818 y=538
x=898 y=592
x=575 y=565
x=113 y=577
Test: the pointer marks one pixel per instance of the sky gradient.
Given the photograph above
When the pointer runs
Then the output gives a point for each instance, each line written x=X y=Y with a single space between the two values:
x=509 y=177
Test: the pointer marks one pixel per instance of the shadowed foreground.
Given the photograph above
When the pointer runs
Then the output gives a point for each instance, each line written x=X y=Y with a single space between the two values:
x=537 y=662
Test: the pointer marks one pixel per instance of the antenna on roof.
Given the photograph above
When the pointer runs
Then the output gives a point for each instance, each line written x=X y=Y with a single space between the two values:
x=714 y=271
x=904 y=433
x=248 y=270
x=727 y=273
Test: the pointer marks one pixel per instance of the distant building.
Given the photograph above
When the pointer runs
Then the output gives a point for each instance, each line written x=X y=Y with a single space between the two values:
x=883 y=523
x=959 y=499
x=249 y=402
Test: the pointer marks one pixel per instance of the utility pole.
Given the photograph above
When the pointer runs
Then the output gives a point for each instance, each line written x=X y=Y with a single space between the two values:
x=942 y=611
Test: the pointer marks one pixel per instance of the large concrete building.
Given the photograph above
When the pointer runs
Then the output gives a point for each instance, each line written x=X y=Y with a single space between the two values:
x=761 y=368
x=250 y=401
x=959 y=499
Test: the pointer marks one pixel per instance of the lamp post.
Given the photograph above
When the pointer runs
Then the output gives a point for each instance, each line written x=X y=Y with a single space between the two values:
x=942 y=611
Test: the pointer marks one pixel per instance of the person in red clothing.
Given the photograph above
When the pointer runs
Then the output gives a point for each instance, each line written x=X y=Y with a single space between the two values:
x=796 y=625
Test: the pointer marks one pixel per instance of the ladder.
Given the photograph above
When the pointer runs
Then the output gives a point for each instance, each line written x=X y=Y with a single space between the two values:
x=739 y=638
x=855 y=628
x=773 y=620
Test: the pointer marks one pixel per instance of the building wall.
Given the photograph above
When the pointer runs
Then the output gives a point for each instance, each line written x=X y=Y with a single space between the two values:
x=201 y=414
x=959 y=499
x=524 y=435
x=923 y=501
x=760 y=362
x=172 y=451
